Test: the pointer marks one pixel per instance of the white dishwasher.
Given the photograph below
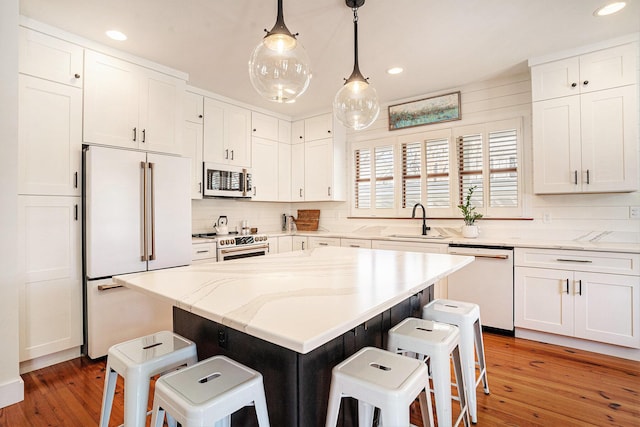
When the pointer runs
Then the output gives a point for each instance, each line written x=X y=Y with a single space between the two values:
x=488 y=282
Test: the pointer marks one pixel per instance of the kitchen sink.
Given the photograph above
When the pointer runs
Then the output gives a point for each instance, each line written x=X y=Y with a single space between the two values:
x=418 y=236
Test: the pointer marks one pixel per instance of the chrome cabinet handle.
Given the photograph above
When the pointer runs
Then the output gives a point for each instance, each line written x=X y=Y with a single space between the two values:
x=135 y=133
x=580 y=287
x=301 y=193
x=226 y=154
x=588 y=176
x=584 y=261
x=75 y=180
x=231 y=154
x=144 y=135
x=567 y=290
x=75 y=213
x=575 y=177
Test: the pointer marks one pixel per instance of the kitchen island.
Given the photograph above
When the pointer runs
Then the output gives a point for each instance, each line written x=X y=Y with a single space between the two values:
x=293 y=316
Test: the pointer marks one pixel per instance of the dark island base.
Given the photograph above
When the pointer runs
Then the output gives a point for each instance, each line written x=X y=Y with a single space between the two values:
x=296 y=385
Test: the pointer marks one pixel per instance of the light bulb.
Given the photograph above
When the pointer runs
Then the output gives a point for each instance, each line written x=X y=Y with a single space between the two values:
x=356 y=105
x=280 y=42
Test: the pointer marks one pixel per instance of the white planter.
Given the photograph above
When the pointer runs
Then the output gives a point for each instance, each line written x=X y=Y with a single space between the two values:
x=470 y=231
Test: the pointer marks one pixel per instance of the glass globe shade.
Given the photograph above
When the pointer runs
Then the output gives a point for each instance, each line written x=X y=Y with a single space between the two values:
x=279 y=68
x=356 y=105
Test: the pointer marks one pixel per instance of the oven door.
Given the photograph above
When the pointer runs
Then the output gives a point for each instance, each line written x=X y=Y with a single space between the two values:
x=237 y=252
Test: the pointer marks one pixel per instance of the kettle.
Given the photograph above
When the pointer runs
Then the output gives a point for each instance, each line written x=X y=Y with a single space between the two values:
x=220 y=226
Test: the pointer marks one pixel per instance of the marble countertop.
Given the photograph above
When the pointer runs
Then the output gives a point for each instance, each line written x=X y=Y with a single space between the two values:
x=298 y=300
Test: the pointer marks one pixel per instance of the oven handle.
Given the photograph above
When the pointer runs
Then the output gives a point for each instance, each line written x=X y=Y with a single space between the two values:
x=481 y=255
x=245 y=249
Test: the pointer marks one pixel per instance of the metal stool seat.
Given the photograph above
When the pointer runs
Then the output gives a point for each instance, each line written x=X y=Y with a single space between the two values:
x=137 y=361
x=466 y=316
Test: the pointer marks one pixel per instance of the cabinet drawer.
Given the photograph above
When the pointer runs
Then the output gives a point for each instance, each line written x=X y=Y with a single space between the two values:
x=201 y=251
x=600 y=262
x=356 y=243
x=318 y=242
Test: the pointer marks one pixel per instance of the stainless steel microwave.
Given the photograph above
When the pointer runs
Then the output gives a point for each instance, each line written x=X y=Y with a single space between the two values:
x=226 y=181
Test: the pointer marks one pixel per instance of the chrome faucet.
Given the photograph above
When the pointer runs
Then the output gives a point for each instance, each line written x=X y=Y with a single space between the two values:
x=424 y=218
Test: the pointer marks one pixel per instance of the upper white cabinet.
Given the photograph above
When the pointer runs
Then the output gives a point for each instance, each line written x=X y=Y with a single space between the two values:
x=49 y=137
x=585 y=123
x=265 y=169
x=193 y=107
x=227 y=133
x=127 y=105
x=264 y=126
x=50 y=58
x=297 y=161
x=192 y=142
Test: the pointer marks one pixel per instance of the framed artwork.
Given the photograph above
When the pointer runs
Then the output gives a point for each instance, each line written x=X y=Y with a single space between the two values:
x=437 y=109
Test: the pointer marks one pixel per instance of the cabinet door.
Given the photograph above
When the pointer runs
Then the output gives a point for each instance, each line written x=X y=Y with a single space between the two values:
x=543 y=301
x=355 y=243
x=299 y=243
x=555 y=79
x=160 y=115
x=285 y=244
x=51 y=295
x=265 y=170
x=111 y=101
x=213 y=137
x=49 y=137
x=193 y=107
x=610 y=140
x=284 y=172
x=50 y=58
x=609 y=68
x=297 y=173
x=263 y=126
x=318 y=127
x=284 y=131
x=606 y=308
x=319 y=242
x=297 y=132
x=192 y=148
x=238 y=136
x=556 y=145
x=318 y=167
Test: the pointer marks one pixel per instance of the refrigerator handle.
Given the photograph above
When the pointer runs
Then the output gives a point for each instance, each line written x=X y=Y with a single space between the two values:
x=152 y=255
x=145 y=256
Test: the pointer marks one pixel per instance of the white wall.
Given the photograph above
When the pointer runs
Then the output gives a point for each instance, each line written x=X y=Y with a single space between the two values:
x=496 y=99
x=11 y=386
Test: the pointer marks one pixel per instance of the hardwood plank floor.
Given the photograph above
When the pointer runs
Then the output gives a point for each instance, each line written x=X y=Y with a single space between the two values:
x=532 y=384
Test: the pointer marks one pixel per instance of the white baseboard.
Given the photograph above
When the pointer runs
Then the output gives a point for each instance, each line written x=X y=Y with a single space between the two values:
x=593 y=346
x=11 y=392
x=48 y=360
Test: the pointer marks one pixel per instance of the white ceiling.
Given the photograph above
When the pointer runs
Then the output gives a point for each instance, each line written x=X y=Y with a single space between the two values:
x=441 y=44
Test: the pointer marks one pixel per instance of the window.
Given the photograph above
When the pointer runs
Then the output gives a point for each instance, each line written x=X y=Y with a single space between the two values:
x=437 y=168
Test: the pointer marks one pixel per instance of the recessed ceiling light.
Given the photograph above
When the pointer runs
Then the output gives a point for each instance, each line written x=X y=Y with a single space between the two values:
x=116 y=35
x=395 y=70
x=610 y=8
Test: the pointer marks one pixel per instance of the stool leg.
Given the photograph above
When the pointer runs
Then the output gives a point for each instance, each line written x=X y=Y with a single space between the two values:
x=136 y=398
x=333 y=408
x=157 y=416
x=395 y=415
x=110 y=379
x=442 y=388
x=426 y=408
x=260 y=404
x=365 y=414
x=468 y=362
x=223 y=422
x=460 y=382
x=480 y=352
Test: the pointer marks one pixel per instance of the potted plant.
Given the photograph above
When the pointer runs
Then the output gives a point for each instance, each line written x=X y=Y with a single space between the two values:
x=470 y=229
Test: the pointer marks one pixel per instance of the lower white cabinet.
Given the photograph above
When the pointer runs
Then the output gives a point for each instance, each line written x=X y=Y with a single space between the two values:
x=567 y=297
x=202 y=252
x=319 y=242
x=356 y=243
x=50 y=297
x=299 y=243
x=284 y=244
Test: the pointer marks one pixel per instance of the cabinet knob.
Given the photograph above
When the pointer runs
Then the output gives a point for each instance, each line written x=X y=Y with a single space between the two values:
x=199 y=116
x=76 y=75
x=574 y=84
x=300 y=137
x=586 y=82
x=254 y=130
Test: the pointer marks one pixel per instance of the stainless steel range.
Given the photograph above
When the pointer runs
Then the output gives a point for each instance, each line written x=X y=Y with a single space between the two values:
x=234 y=246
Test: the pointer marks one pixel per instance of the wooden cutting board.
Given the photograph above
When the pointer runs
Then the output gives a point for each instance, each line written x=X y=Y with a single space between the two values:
x=308 y=219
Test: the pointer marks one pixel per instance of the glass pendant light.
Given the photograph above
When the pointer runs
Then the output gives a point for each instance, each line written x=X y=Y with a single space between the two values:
x=279 y=66
x=356 y=103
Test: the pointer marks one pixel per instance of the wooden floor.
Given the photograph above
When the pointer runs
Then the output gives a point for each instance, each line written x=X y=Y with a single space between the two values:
x=531 y=384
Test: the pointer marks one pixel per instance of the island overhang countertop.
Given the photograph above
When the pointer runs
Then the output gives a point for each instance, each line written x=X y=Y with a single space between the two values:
x=298 y=300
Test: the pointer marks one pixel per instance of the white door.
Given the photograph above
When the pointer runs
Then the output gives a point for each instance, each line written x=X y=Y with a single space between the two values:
x=50 y=300
x=606 y=308
x=555 y=79
x=297 y=173
x=264 y=126
x=610 y=140
x=608 y=68
x=238 y=136
x=192 y=148
x=49 y=138
x=318 y=169
x=543 y=300
x=114 y=203
x=193 y=107
x=284 y=172
x=318 y=127
x=214 y=131
x=265 y=169
x=111 y=101
x=170 y=211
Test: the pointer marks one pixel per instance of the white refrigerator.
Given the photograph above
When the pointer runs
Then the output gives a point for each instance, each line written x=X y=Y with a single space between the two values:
x=137 y=218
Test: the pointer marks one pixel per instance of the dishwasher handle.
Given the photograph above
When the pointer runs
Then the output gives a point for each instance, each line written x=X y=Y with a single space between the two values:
x=505 y=256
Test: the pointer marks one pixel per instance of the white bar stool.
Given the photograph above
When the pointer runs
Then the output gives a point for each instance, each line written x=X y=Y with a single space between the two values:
x=437 y=342
x=377 y=379
x=137 y=361
x=465 y=316
x=209 y=392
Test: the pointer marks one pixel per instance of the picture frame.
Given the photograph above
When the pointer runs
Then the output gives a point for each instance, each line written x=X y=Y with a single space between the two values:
x=426 y=111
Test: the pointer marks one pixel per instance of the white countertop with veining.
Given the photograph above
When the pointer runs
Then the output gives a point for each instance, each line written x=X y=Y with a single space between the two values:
x=298 y=300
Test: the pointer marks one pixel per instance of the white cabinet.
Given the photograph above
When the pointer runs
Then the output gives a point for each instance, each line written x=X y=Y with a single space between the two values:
x=202 y=252
x=319 y=242
x=192 y=145
x=585 y=123
x=227 y=133
x=284 y=244
x=297 y=173
x=264 y=126
x=265 y=169
x=284 y=172
x=299 y=243
x=49 y=137
x=271 y=158
x=356 y=243
x=573 y=293
x=50 y=303
x=127 y=105
x=50 y=58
